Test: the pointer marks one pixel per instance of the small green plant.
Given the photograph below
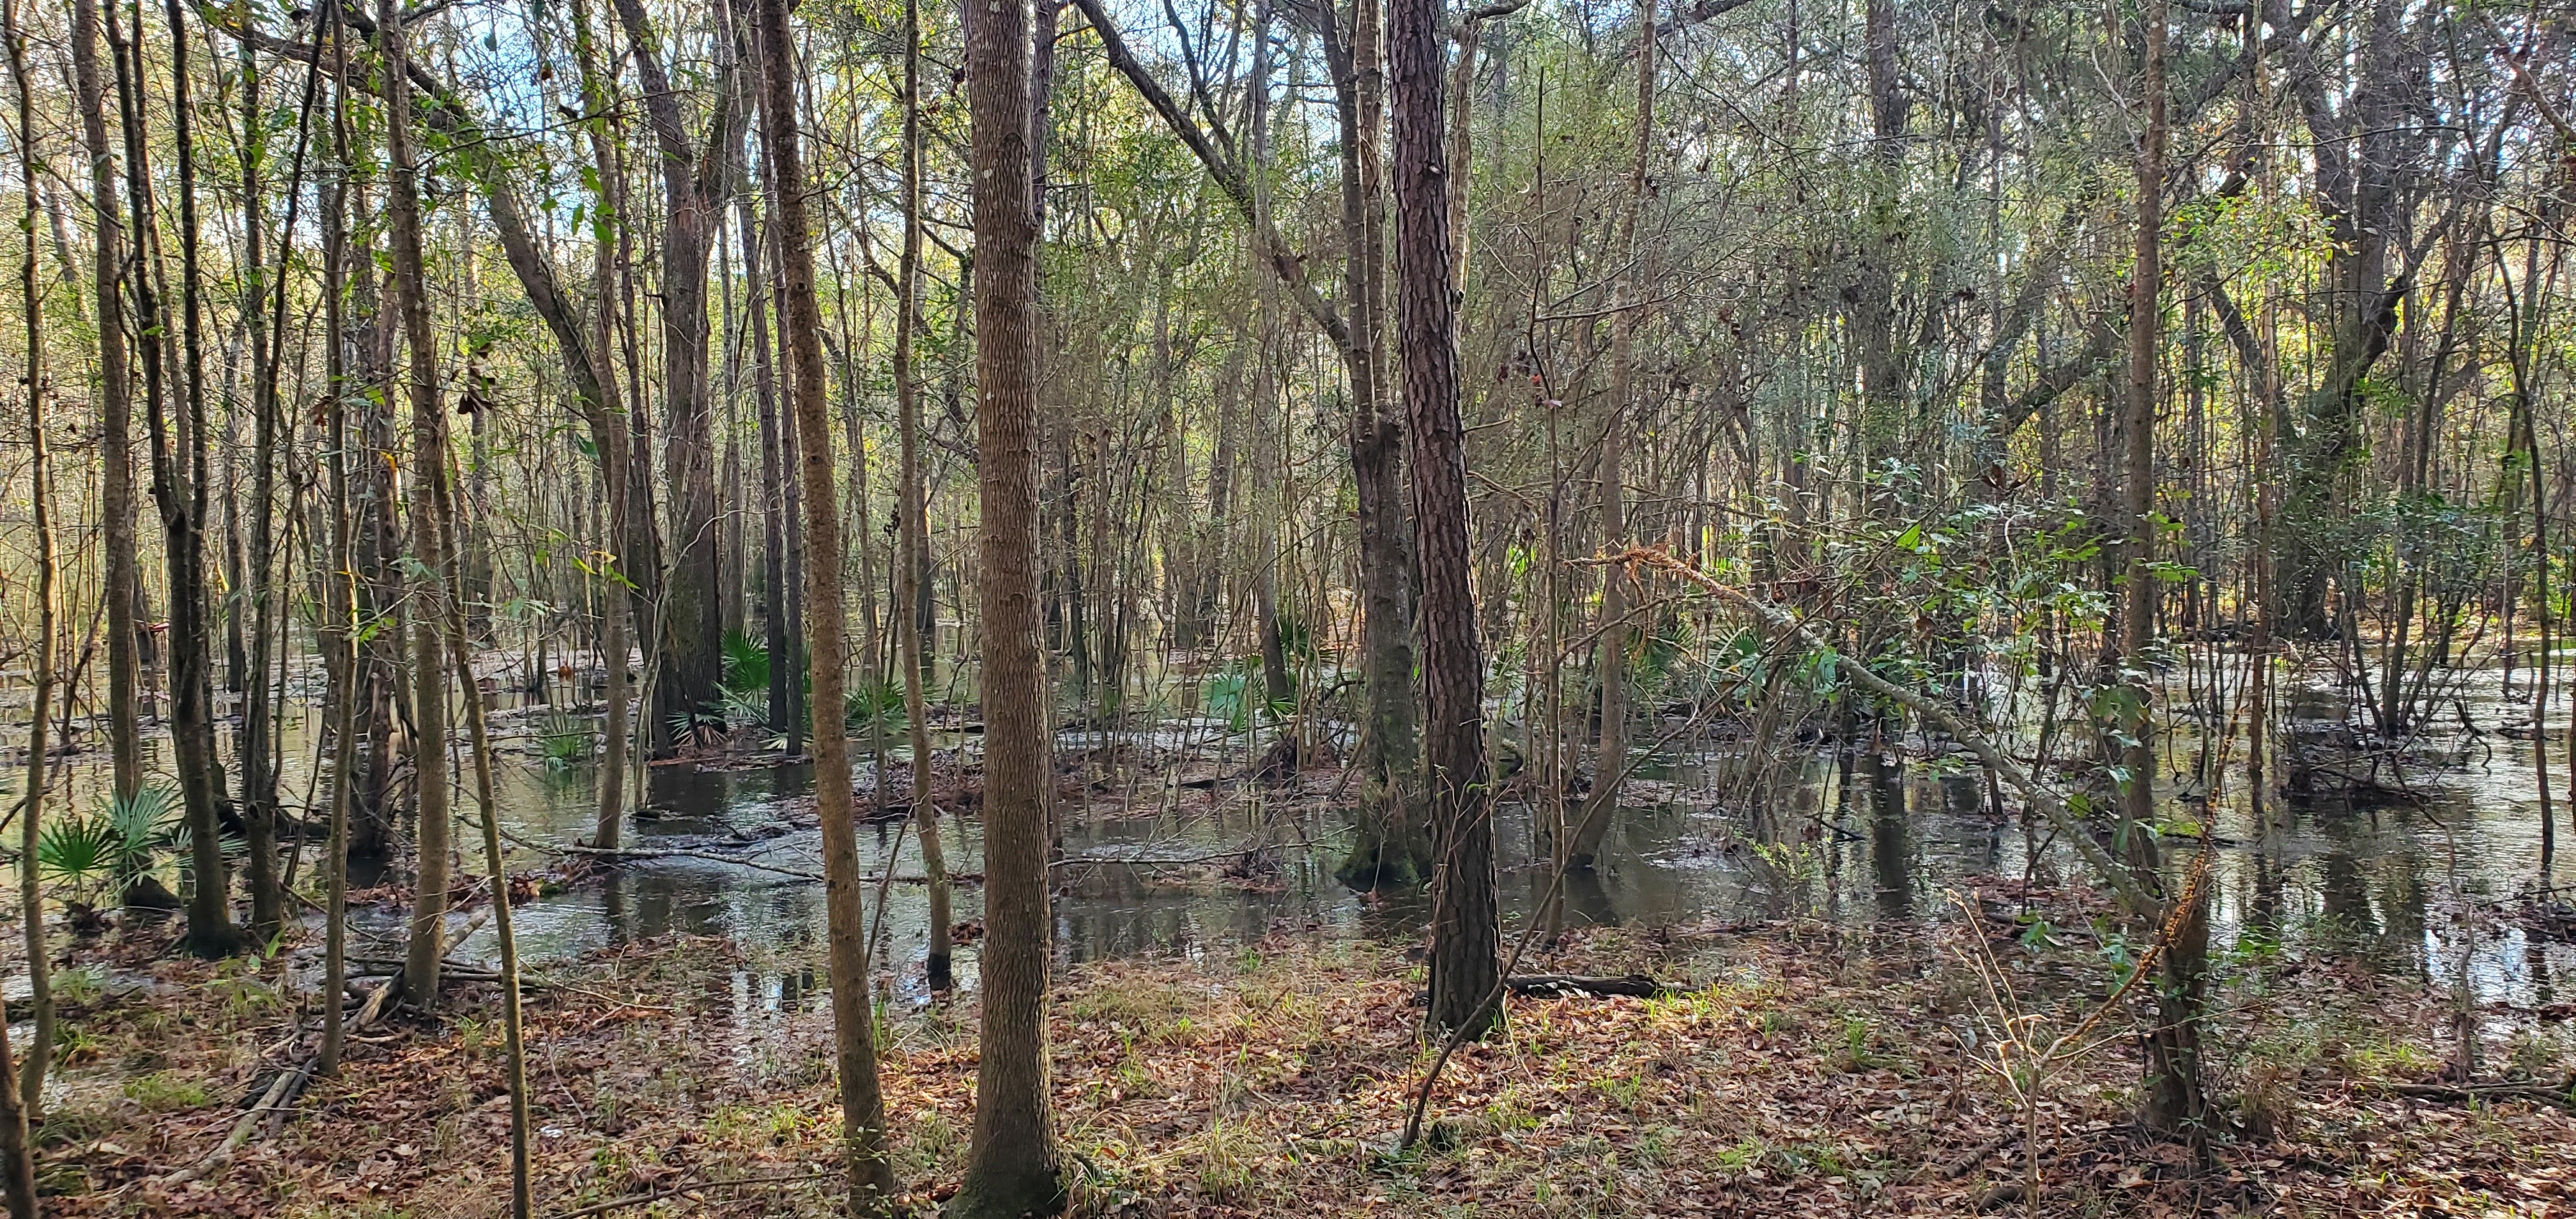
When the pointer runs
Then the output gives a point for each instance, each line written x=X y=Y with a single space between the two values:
x=163 y=1092
x=74 y=1045
x=244 y=992
x=1229 y=698
x=95 y=854
x=1742 y=1156
x=1623 y=1091
x=1227 y=1154
x=874 y=706
x=78 y=986
x=1856 y=1055
x=566 y=739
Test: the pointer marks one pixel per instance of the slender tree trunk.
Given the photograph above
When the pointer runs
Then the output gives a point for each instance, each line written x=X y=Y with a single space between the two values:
x=871 y=1178
x=911 y=517
x=773 y=497
x=1874 y=305
x=791 y=528
x=1265 y=380
x=2174 y=1104
x=258 y=780
x=1617 y=585
x=341 y=582
x=610 y=438
x=429 y=541
x=477 y=729
x=115 y=410
x=1014 y=1166
x=15 y=1155
x=1464 y=929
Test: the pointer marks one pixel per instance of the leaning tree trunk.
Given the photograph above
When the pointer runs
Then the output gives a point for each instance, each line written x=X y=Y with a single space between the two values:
x=1014 y=1167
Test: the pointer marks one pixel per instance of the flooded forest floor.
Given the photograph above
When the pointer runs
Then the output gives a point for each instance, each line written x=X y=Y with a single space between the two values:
x=1795 y=1067
x=1854 y=965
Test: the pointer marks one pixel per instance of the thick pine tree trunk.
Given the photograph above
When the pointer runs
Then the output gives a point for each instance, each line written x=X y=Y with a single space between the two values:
x=1465 y=975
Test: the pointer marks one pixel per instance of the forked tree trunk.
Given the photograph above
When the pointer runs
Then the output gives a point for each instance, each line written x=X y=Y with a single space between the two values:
x=693 y=183
x=179 y=481
x=1014 y=1165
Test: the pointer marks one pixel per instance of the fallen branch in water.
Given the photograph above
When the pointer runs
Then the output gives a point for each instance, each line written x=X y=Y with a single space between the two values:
x=628 y=854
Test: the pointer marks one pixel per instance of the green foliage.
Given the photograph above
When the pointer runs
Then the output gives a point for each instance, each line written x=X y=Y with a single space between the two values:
x=742 y=708
x=874 y=706
x=1238 y=691
x=164 y=1092
x=746 y=664
x=76 y=851
x=566 y=739
x=95 y=853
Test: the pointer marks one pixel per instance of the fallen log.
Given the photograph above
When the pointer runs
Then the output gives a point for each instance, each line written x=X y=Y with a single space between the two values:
x=286 y=1081
x=1631 y=986
x=2559 y=1095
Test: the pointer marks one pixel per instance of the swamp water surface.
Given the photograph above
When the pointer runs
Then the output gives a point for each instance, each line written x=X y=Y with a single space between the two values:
x=1868 y=838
